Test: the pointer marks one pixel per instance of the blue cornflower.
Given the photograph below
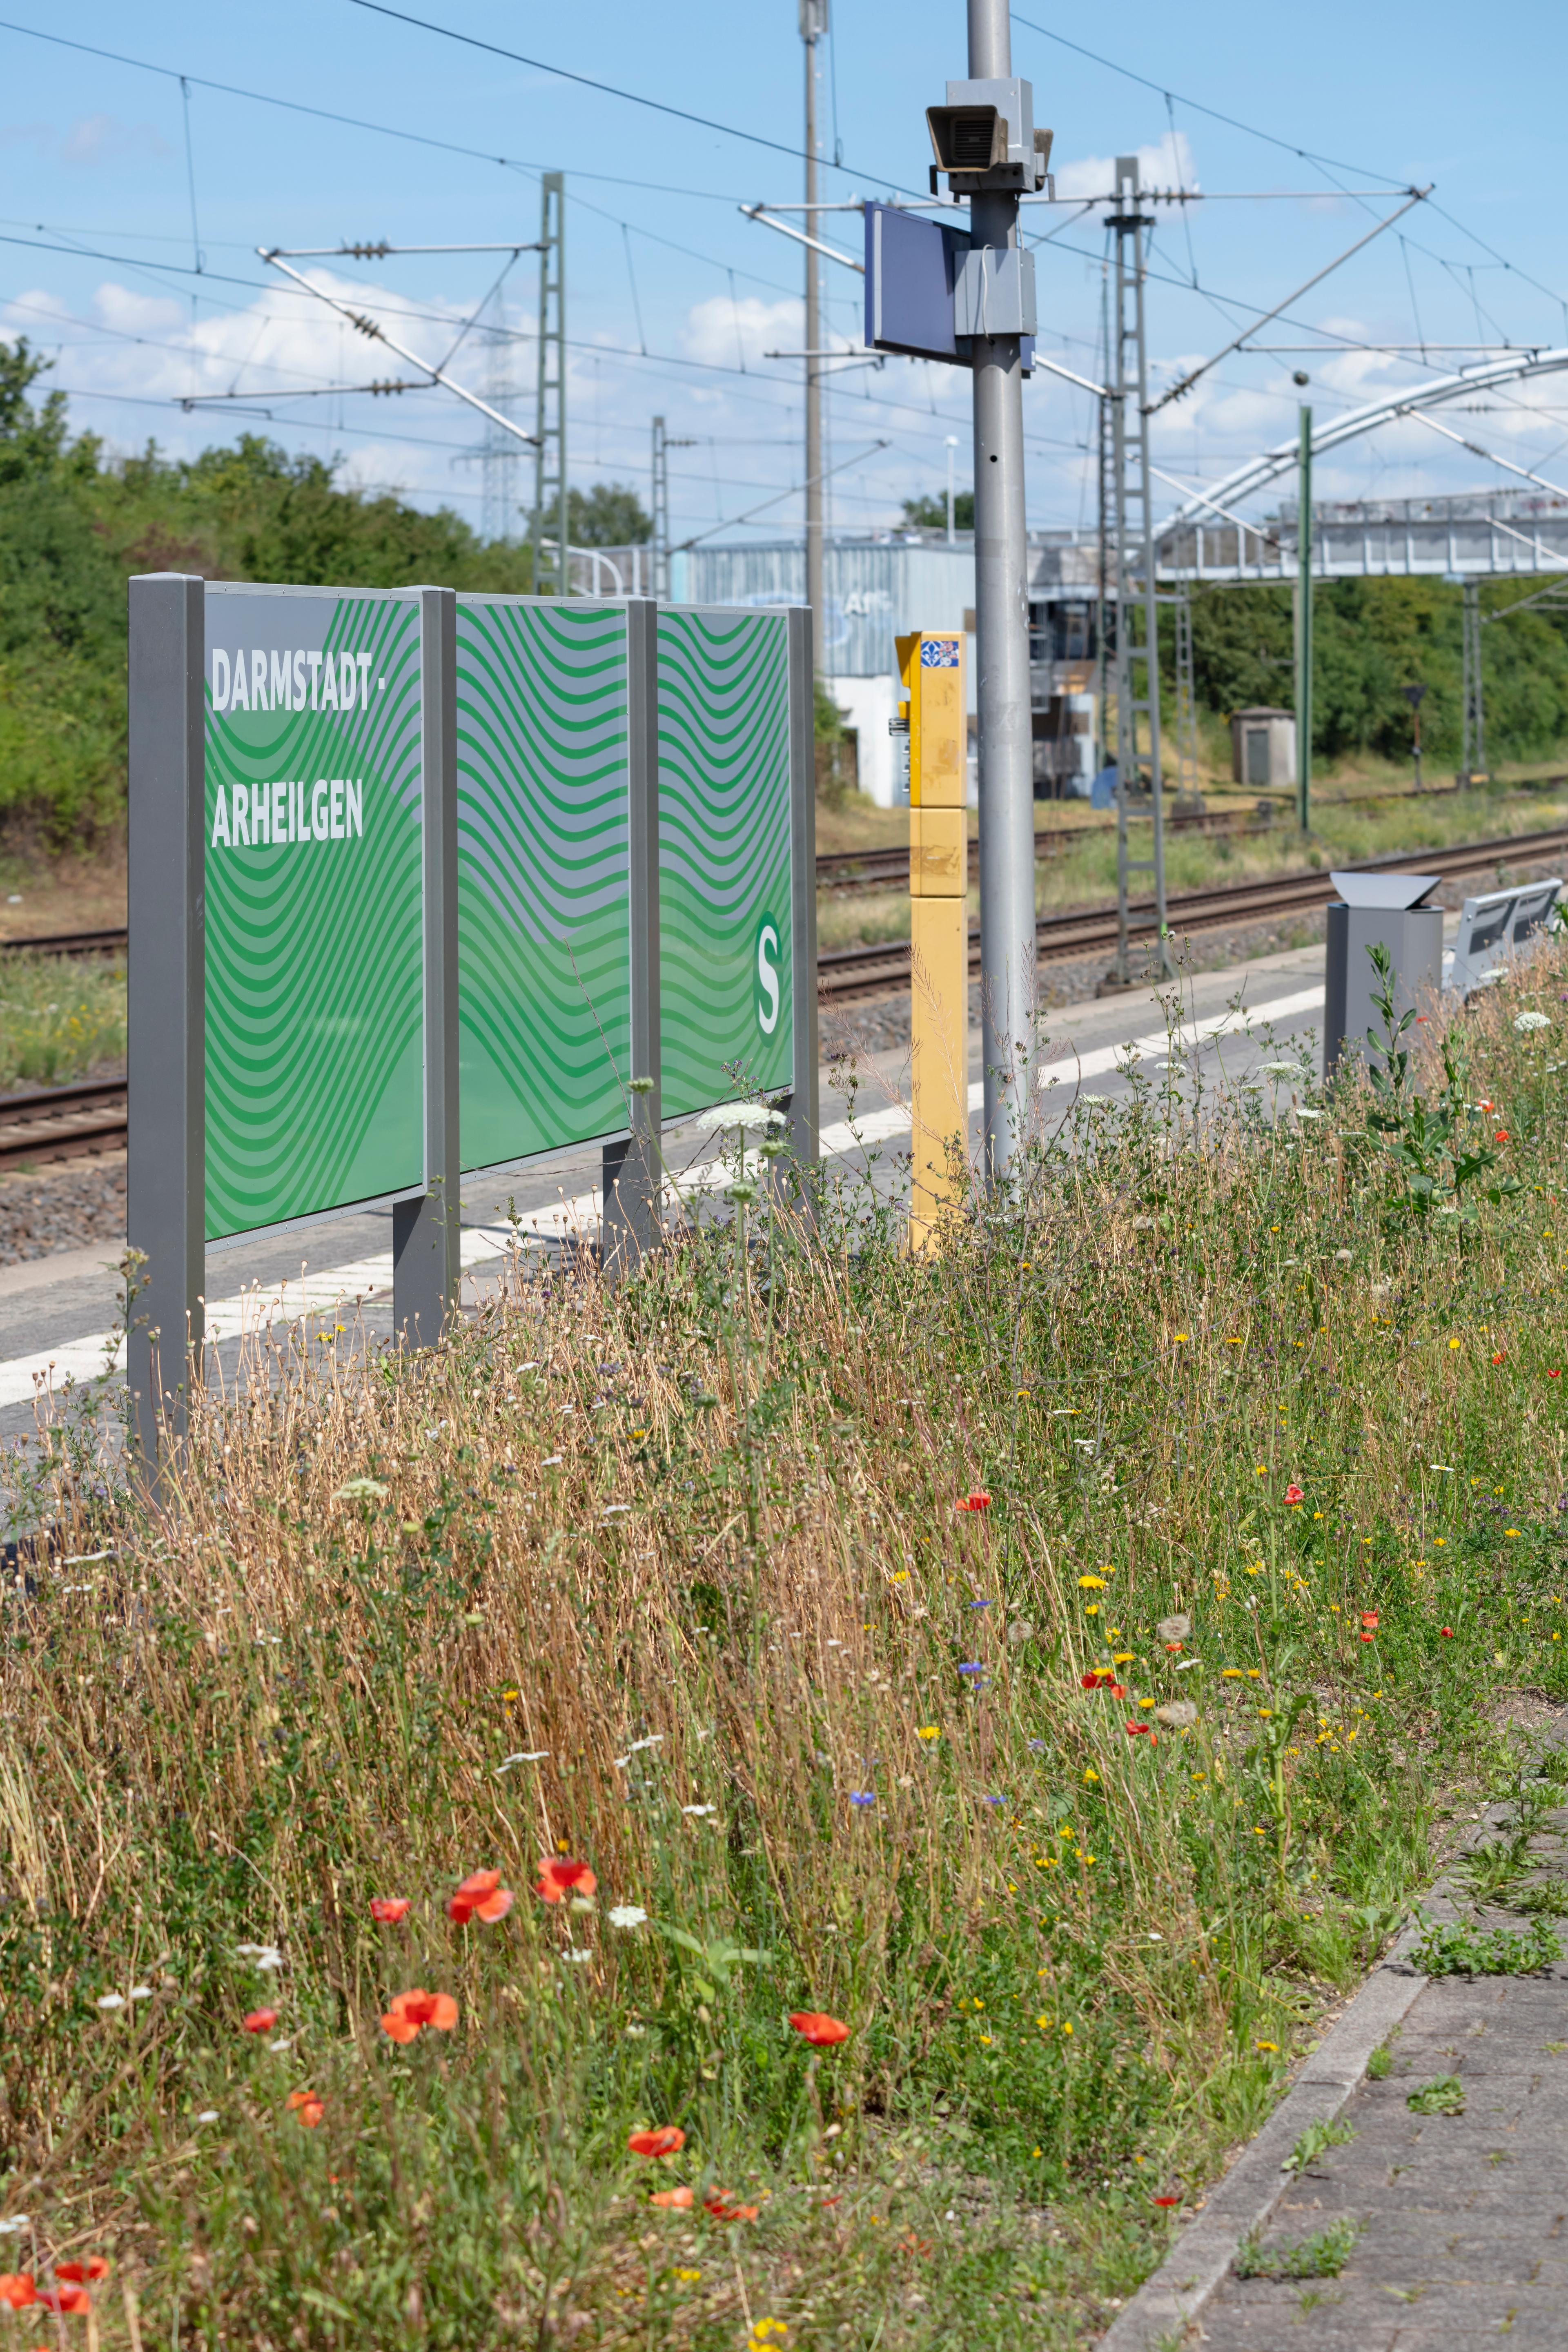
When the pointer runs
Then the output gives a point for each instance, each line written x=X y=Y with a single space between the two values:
x=862 y=1797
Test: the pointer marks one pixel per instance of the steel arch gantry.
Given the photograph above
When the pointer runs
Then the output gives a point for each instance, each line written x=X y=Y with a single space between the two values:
x=1266 y=468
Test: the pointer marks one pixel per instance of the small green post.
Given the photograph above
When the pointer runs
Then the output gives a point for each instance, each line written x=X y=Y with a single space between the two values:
x=1304 y=624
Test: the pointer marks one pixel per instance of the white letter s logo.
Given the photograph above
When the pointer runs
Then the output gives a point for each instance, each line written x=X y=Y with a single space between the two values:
x=767 y=978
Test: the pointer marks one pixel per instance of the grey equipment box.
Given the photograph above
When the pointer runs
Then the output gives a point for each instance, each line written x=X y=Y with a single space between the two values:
x=1373 y=911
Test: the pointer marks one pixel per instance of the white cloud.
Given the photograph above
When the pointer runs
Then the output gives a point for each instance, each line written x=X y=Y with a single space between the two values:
x=1168 y=163
x=728 y=334
x=95 y=139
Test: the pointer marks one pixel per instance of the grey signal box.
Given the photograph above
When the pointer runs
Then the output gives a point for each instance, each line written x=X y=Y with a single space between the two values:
x=1377 y=910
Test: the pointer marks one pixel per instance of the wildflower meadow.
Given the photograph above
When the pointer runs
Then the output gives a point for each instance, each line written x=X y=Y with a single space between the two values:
x=804 y=1800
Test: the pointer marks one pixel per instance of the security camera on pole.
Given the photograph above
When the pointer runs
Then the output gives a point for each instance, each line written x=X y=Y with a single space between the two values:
x=986 y=144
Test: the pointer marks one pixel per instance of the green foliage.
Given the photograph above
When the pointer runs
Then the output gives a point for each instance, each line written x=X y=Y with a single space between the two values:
x=1431 y=1148
x=827 y=719
x=1454 y=1949
x=1372 y=638
x=59 y=1019
x=824 y=1740
x=1323 y=2255
x=1380 y=2066
x=1443 y=2097
x=74 y=525
x=931 y=514
x=1314 y=2142
x=609 y=515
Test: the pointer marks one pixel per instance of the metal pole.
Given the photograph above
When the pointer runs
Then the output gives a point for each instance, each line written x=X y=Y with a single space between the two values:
x=660 y=515
x=813 y=25
x=804 y=1112
x=1304 y=624
x=166 y=1170
x=552 y=574
x=1132 y=538
x=426 y=1230
x=951 y=445
x=1473 y=758
x=1007 y=952
x=632 y=1175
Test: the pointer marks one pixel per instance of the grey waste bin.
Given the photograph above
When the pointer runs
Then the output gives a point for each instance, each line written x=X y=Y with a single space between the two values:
x=1373 y=911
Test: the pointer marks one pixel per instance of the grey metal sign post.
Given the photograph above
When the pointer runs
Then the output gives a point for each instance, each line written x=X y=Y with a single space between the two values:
x=986 y=141
x=165 y=1173
x=276 y=839
x=804 y=1117
x=427 y=1230
x=632 y=1175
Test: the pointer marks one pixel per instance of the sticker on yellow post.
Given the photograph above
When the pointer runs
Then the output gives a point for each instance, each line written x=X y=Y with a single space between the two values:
x=937 y=754
x=932 y=666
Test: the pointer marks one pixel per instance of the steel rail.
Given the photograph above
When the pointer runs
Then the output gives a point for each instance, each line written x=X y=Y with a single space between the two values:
x=847 y=974
x=63 y=1122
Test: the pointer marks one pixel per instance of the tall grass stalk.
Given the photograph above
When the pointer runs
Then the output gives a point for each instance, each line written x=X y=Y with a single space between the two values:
x=671 y=1580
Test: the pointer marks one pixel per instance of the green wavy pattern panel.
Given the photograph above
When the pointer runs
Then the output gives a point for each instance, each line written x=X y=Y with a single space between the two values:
x=724 y=853
x=314 y=950
x=544 y=944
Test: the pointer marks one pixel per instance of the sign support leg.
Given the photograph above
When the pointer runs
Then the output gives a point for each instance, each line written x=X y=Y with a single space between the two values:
x=632 y=1224
x=166 y=1160
x=426 y=1230
x=805 y=1116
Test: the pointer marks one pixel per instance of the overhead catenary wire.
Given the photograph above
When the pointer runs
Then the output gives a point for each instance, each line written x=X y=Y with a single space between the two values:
x=588 y=82
x=670 y=361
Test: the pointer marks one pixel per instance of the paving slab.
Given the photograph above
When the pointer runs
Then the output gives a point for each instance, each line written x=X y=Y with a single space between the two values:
x=1461 y=2220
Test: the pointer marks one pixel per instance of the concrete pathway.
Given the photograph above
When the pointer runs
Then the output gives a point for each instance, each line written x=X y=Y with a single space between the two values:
x=1459 y=2220
x=1463 y=2218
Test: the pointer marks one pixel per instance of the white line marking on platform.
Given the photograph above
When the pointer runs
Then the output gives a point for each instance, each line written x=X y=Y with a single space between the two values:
x=251 y=1313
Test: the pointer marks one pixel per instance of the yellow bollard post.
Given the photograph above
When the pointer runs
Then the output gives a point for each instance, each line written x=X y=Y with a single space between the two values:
x=931 y=665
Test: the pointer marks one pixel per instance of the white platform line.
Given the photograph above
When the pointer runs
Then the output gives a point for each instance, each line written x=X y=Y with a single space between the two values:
x=252 y=1312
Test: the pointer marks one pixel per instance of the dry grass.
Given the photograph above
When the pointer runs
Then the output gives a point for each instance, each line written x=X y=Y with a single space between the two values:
x=665 y=1581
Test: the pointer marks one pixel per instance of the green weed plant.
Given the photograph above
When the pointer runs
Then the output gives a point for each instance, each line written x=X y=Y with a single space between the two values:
x=1046 y=1662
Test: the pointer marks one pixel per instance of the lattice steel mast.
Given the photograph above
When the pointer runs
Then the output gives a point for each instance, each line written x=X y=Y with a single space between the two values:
x=552 y=560
x=1130 y=534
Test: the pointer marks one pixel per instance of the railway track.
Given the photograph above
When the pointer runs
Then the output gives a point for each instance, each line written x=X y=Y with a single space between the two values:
x=69 y=943
x=845 y=870
x=847 y=974
x=63 y=1122
x=67 y=1122
x=888 y=869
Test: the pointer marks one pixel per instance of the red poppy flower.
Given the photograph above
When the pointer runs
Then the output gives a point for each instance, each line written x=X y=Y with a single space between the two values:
x=1167 y=2200
x=815 y=2026
x=1499 y=1135
x=1293 y=1493
x=481 y=1896
x=978 y=1501
x=17 y=2288
x=1555 y=1374
x=1102 y=1679
x=86 y=2273
x=1446 y=1632
x=66 y=2298
x=1135 y=1730
x=308 y=2107
x=1118 y=1690
x=557 y=1880
x=390 y=1908
x=1369 y=1622
x=679 y=2200
x=407 y=2013
x=665 y=2139
x=1497 y=1358
x=260 y=2021
x=717 y=2202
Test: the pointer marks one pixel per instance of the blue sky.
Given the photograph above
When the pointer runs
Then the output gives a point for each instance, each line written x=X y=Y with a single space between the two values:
x=674 y=298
